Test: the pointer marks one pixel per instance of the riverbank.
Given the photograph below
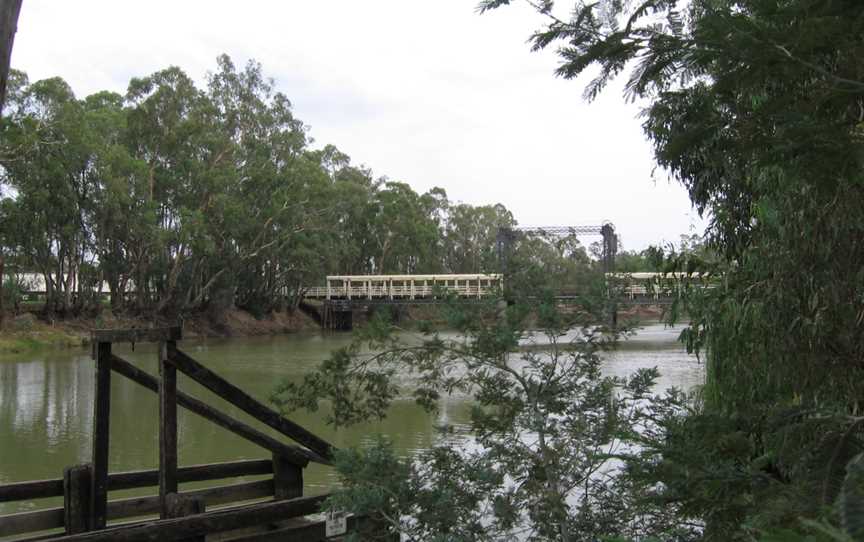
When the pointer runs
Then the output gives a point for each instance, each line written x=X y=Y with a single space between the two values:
x=26 y=332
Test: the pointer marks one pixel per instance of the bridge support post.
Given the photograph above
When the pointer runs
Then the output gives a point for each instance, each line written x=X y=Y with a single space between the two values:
x=287 y=479
x=101 y=418
x=77 y=482
x=167 y=426
x=610 y=249
x=178 y=506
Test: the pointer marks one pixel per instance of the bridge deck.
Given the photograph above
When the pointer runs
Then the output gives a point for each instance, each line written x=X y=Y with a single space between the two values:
x=638 y=287
x=409 y=287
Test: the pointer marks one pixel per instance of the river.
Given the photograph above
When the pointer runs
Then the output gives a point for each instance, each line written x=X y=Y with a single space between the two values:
x=46 y=404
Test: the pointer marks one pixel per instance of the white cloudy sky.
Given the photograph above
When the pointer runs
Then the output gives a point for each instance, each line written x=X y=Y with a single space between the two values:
x=425 y=92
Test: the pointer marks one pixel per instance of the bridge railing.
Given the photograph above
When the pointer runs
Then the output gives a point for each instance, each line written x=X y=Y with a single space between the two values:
x=404 y=286
x=634 y=286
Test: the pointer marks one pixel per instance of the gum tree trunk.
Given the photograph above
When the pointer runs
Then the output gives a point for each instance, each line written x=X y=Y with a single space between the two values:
x=9 y=10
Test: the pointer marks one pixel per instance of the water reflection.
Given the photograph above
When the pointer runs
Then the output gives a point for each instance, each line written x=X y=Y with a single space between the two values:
x=46 y=404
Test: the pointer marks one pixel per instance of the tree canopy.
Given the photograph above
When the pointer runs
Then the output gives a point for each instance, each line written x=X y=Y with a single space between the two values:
x=181 y=198
x=755 y=106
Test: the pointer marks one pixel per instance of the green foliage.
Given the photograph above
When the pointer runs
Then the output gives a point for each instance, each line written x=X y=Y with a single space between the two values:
x=12 y=288
x=184 y=198
x=755 y=107
x=547 y=429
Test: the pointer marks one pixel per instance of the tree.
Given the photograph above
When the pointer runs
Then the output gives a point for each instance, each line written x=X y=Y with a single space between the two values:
x=545 y=428
x=755 y=107
x=470 y=235
x=195 y=200
x=50 y=160
x=9 y=11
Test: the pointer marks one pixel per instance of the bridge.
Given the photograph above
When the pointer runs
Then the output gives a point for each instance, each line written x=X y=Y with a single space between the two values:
x=637 y=288
x=406 y=287
x=343 y=294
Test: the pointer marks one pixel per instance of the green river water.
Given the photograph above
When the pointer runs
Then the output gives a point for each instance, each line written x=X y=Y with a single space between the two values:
x=46 y=404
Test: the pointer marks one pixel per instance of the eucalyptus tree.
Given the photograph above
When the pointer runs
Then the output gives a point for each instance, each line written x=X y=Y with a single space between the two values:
x=121 y=212
x=169 y=125
x=756 y=108
x=266 y=199
x=545 y=427
x=470 y=237
x=404 y=231
x=49 y=159
x=354 y=209
x=9 y=11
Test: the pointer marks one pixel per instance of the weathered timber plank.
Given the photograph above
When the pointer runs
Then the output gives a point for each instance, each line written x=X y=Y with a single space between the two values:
x=101 y=418
x=77 y=483
x=287 y=479
x=28 y=522
x=137 y=335
x=184 y=505
x=209 y=522
x=36 y=489
x=167 y=426
x=298 y=455
x=40 y=489
x=311 y=531
x=251 y=406
x=53 y=518
x=212 y=496
x=194 y=473
x=179 y=506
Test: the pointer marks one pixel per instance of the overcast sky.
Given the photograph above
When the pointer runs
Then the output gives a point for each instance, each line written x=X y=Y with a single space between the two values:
x=430 y=93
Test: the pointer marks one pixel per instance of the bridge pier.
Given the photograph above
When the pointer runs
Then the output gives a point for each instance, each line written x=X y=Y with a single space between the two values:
x=337 y=315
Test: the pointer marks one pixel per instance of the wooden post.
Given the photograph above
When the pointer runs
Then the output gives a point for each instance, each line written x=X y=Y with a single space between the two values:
x=167 y=426
x=287 y=479
x=178 y=506
x=77 y=482
x=101 y=417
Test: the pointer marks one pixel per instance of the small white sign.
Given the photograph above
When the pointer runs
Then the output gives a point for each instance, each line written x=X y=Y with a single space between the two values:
x=336 y=523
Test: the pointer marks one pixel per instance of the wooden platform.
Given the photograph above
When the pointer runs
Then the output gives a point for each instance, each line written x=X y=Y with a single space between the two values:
x=271 y=507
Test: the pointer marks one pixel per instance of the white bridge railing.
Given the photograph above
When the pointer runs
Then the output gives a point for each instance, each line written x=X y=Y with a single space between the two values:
x=405 y=286
x=639 y=285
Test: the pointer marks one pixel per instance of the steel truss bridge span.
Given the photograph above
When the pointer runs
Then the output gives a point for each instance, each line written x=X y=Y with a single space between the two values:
x=508 y=236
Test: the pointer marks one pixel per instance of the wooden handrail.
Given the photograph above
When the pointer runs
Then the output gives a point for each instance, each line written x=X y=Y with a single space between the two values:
x=206 y=523
x=248 y=404
x=41 y=489
x=28 y=522
x=213 y=496
x=52 y=518
x=298 y=455
x=85 y=488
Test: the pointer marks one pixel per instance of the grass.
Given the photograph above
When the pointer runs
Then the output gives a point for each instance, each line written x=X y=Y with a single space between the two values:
x=36 y=336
